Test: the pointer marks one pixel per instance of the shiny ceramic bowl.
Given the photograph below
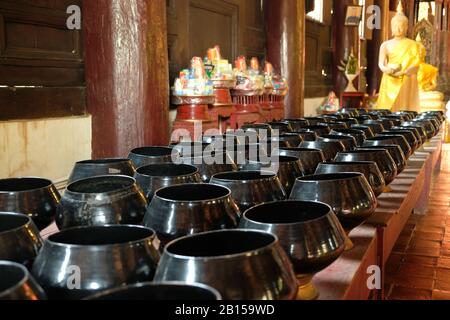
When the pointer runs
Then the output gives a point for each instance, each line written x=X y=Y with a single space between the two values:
x=282 y=127
x=297 y=124
x=255 y=127
x=349 y=142
x=240 y=137
x=439 y=114
x=382 y=158
x=194 y=149
x=240 y=264
x=212 y=164
x=103 y=258
x=331 y=117
x=406 y=115
x=314 y=121
x=348 y=194
x=366 y=129
x=156 y=176
x=376 y=126
x=101 y=201
x=329 y=148
x=191 y=208
x=423 y=133
x=435 y=120
x=288 y=169
x=309 y=232
x=382 y=112
x=335 y=125
x=396 y=120
x=425 y=126
x=287 y=140
x=390 y=139
x=250 y=188
x=414 y=131
x=387 y=123
x=409 y=136
x=349 y=121
x=35 y=197
x=351 y=111
x=167 y=291
x=396 y=153
x=358 y=135
x=307 y=135
x=16 y=283
x=153 y=155
x=320 y=130
x=368 y=168
x=102 y=167
x=362 y=118
x=240 y=154
x=19 y=238
x=309 y=158
x=262 y=130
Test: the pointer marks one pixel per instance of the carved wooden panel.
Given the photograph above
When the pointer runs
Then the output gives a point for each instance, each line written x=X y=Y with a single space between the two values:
x=212 y=22
x=39 y=52
x=318 y=73
x=36 y=48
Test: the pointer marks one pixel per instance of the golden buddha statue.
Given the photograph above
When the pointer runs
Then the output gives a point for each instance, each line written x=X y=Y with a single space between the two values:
x=399 y=62
x=428 y=74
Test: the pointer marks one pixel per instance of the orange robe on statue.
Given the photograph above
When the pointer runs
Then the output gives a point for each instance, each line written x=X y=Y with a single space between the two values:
x=401 y=93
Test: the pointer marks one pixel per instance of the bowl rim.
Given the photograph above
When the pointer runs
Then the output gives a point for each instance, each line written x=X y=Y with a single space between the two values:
x=140 y=174
x=294 y=120
x=156 y=196
x=342 y=163
x=386 y=147
x=282 y=159
x=363 y=150
x=275 y=240
x=298 y=149
x=350 y=176
x=16 y=214
x=48 y=184
x=134 y=151
x=130 y=179
x=244 y=215
x=25 y=278
x=98 y=162
x=347 y=131
x=52 y=243
x=139 y=285
x=337 y=137
x=269 y=177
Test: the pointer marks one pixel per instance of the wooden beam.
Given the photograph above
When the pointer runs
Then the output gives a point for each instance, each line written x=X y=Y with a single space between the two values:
x=285 y=22
x=126 y=74
x=38 y=103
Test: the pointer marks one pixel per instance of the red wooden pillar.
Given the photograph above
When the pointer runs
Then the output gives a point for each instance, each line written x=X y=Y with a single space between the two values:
x=127 y=78
x=285 y=21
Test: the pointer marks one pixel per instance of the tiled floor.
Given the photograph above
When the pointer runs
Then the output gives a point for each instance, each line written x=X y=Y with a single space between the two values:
x=419 y=267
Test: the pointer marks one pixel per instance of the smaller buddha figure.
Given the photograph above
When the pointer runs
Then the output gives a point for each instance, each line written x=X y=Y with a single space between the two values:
x=399 y=62
x=430 y=99
x=428 y=74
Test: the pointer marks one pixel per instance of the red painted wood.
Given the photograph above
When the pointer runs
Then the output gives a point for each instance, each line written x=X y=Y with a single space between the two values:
x=193 y=112
x=285 y=22
x=126 y=74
